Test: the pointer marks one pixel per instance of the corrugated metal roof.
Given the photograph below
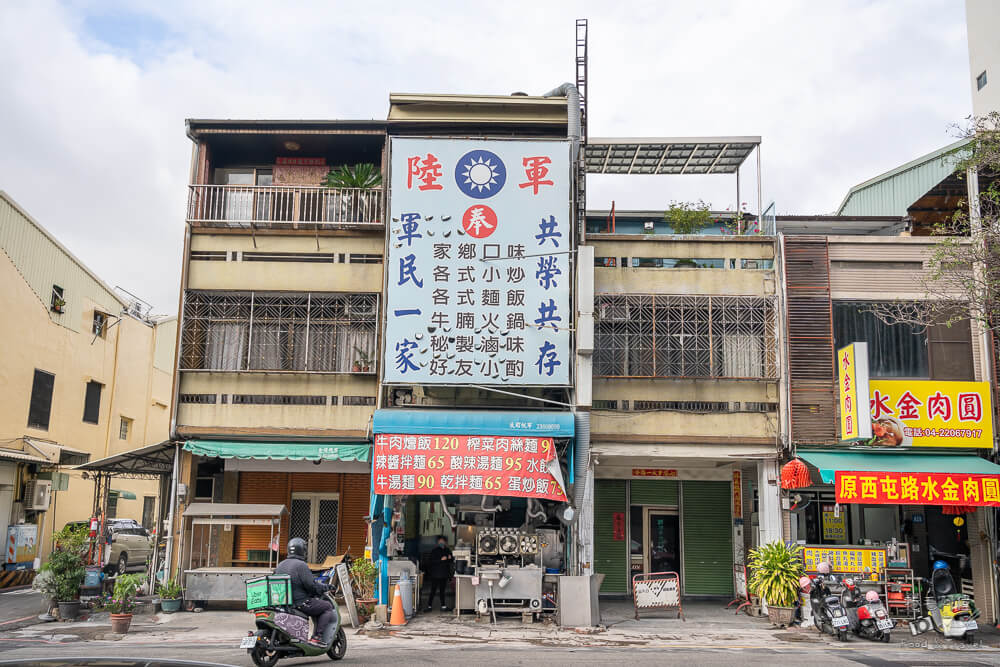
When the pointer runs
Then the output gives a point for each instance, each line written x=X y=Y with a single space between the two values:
x=44 y=262
x=14 y=455
x=894 y=191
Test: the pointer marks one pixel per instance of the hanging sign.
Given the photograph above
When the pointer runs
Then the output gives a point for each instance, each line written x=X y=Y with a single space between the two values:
x=618 y=526
x=478 y=268
x=460 y=464
x=845 y=559
x=654 y=472
x=931 y=413
x=834 y=524
x=852 y=375
x=737 y=495
x=917 y=488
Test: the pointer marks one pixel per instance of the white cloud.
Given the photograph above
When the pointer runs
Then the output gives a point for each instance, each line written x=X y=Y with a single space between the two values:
x=93 y=120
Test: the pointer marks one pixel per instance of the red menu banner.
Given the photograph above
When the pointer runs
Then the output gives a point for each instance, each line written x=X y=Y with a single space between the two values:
x=465 y=464
x=917 y=488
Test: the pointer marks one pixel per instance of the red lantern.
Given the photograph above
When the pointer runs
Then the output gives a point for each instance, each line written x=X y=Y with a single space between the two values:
x=954 y=510
x=795 y=475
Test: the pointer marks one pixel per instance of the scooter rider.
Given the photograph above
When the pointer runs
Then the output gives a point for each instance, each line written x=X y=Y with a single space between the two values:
x=306 y=593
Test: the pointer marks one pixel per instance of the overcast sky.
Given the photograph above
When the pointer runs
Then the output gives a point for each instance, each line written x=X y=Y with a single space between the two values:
x=93 y=95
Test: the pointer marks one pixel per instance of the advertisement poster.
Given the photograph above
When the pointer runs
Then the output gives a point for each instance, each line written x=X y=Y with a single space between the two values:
x=834 y=524
x=931 y=413
x=460 y=464
x=478 y=266
x=917 y=488
x=852 y=375
x=845 y=560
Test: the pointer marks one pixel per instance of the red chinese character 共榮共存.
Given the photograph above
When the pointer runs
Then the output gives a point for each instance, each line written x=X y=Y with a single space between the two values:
x=970 y=407
x=907 y=406
x=939 y=405
x=535 y=171
x=427 y=170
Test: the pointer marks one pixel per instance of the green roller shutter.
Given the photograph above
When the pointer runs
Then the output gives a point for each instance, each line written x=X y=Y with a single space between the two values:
x=708 y=538
x=610 y=555
x=662 y=492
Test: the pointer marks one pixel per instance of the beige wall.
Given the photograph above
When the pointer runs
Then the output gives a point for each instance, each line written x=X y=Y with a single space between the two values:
x=982 y=18
x=32 y=337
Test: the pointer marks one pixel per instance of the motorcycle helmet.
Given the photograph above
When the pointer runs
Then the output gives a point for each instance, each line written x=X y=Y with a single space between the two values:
x=823 y=567
x=940 y=565
x=297 y=548
x=805 y=583
x=871 y=596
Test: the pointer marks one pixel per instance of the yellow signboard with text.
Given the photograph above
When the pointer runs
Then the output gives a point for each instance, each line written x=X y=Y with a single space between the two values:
x=931 y=413
x=852 y=388
x=845 y=559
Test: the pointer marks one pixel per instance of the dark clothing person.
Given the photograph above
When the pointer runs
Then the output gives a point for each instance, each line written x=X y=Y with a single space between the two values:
x=305 y=591
x=438 y=569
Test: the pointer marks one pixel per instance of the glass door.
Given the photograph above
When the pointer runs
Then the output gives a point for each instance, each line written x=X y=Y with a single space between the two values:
x=314 y=518
x=662 y=540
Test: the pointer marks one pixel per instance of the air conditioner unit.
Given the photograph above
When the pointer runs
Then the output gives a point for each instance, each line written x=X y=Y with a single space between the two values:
x=37 y=494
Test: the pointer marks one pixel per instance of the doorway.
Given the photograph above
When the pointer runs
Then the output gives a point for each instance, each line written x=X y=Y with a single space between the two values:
x=662 y=540
x=314 y=517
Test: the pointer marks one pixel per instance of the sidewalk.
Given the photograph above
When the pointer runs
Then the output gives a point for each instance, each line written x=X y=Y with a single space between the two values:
x=706 y=625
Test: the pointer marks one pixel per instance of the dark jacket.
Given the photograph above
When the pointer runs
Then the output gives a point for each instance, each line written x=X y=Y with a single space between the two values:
x=304 y=584
x=437 y=568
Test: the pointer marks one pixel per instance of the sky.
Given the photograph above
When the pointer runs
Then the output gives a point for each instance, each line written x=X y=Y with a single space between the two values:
x=93 y=95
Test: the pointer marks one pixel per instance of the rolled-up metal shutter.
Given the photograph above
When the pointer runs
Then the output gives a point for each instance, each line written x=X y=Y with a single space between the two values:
x=610 y=555
x=706 y=510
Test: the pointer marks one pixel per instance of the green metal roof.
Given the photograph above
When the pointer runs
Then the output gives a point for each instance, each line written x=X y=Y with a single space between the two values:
x=829 y=463
x=894 y=191
x=292 y=451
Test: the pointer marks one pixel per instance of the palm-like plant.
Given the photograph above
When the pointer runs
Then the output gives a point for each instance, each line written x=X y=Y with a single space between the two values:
x=776 y=569
x=362 y=176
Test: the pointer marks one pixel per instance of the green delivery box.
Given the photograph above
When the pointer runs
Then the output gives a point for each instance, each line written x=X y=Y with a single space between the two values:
x=270 y=591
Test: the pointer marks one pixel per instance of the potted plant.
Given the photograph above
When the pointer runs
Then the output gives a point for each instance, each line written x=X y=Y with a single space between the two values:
x=122 y=602
x=688 y=217
x=775 y=570
x=65 y=570
x=170 y=596
x=363 y=574
x=351 y=204
x=364 y=361
x=45 y=584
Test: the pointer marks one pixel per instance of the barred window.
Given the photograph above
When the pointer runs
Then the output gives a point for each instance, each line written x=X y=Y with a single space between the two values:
x=268 y=331
x=643 y=335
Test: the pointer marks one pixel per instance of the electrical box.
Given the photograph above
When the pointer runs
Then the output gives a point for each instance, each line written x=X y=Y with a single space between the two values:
x=37 y=494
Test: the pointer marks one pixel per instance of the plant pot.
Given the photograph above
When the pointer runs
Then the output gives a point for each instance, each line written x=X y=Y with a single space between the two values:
x=68 y=611
x=781 y=616
x=120 y=623
x=356 y=368
x=170 y=606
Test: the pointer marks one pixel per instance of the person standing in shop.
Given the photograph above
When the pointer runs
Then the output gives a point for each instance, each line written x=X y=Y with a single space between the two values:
x=438 y=569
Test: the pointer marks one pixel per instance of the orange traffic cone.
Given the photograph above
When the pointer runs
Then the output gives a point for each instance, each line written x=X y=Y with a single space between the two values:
x=398 y=615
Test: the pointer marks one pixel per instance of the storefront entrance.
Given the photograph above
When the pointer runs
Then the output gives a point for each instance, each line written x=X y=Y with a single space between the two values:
x=313 y=517
x=662 y=540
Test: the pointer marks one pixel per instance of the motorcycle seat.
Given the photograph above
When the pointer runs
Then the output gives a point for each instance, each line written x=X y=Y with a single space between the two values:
x=296 y=612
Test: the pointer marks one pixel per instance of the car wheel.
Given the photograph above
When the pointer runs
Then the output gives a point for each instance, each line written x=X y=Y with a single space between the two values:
x=122 y=564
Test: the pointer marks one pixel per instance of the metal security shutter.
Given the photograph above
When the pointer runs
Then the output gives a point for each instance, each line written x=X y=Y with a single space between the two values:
x=708 y=538
x=353 y=510
x=661 y=492
x=610 y=554
x=268 y=488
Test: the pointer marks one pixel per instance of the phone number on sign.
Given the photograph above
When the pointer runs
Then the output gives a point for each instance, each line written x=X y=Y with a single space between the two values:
x=943 y=432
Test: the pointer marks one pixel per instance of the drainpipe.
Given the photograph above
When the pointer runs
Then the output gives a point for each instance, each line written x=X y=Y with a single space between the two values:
x=171 y=533
x=573 y=126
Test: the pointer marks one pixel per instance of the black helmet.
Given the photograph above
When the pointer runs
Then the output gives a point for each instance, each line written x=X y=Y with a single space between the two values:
x=297 y=548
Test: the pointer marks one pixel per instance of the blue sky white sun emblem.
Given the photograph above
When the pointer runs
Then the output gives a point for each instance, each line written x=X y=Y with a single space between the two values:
x=480 y=174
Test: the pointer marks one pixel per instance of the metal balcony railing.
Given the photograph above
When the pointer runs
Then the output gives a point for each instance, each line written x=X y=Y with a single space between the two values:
x=283 y=206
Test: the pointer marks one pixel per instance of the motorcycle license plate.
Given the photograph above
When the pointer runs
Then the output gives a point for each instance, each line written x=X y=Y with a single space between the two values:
x=971 y=625
x=248 y=642
x=839 y=621
x=883 y=625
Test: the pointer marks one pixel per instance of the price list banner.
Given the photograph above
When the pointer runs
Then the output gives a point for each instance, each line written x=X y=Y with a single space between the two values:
x=478 y=268
x=460 y=464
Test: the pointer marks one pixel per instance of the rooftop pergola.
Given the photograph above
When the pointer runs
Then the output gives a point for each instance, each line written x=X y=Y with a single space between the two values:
x=673 y=156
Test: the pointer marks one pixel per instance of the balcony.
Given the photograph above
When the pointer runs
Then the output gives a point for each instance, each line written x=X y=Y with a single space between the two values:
x=284 y=207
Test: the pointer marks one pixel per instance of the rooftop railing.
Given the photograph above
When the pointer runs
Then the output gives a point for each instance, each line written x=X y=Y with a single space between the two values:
x=283 y=206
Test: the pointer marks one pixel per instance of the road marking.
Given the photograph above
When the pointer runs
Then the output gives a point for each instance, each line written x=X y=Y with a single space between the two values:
x=18 y=620
x=21 y=591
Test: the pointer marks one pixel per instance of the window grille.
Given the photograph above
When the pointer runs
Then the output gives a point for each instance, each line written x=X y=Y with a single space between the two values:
x=277 y=399
x=358 y=400
x=268 y=331
x=208 y=255
x=605 y=405
x=316 y=257
x=365 y=258
x=642 y=335
x=203 y=399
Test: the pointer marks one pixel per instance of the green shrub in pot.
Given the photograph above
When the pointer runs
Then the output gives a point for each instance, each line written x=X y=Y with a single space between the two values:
x=775 y=570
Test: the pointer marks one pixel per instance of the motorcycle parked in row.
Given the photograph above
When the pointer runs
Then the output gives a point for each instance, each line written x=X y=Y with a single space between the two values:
x=950 y=613
x=283 y=632
x=868 y=618
x=828 y=612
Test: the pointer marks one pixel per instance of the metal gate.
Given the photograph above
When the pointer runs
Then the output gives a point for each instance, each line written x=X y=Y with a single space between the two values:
x=314 y=518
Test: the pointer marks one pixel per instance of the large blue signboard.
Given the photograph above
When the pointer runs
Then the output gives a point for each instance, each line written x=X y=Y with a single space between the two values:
x=478 y=270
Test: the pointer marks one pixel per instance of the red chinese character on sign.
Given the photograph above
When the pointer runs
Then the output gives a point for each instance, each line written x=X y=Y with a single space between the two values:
x=849 y=425
x=847 y=360
x=939 y=405
x=880 y=404
x=535 y=171
x=970 y=407
x=907 y=406
x=426 y=170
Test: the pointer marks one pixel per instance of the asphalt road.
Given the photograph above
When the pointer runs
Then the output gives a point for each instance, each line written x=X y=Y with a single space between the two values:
x=399 y=653
x=18 y=607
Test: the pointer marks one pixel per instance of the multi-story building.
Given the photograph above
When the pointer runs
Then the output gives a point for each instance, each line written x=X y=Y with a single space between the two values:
x=982 y=20
x=280 y=299
x=86 y=374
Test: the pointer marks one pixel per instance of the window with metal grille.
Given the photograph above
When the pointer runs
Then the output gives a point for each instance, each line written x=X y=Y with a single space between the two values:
x=643 y=335
x=277 y=399
x=358 y=400
x=40 y=404
x=605 y=405
x=100 y=325
x=208 y=255
x=268 y=331
x=365 y=258
x=315 y=257
x=204 y=399
x=124 y=428
x=678 y=263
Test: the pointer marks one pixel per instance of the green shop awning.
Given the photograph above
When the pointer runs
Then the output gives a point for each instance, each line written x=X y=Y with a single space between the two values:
x=122 y=495
x=829 y=463
x=292 y=451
